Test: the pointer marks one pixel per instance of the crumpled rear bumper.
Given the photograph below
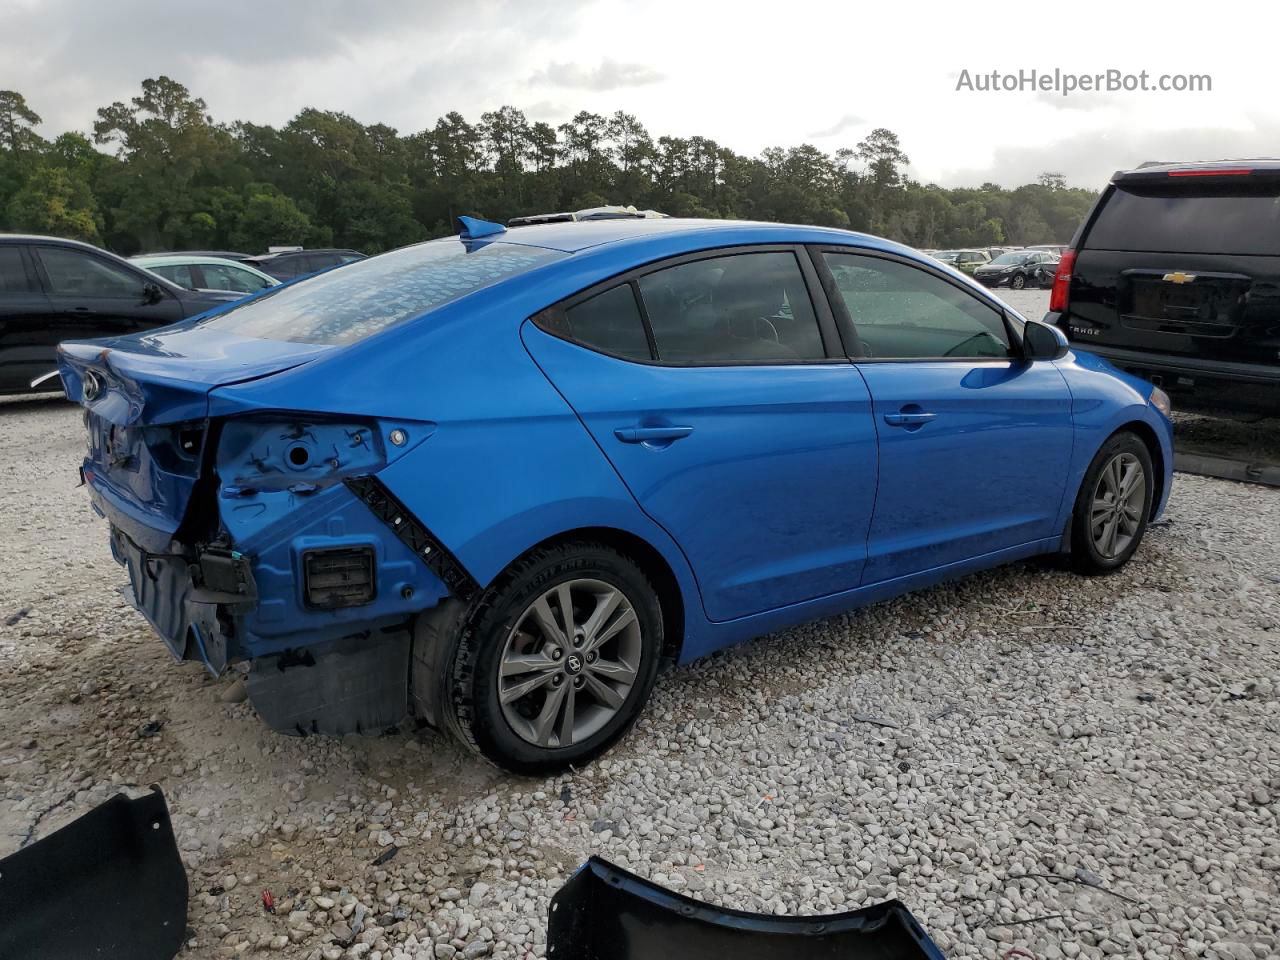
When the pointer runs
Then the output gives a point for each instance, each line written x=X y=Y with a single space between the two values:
x=190 y=599
x=605 y=913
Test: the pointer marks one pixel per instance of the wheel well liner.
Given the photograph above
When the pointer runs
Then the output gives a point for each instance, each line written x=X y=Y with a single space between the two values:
x=654 y=566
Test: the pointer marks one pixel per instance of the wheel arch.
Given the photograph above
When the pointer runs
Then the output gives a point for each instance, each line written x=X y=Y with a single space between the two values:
x=1147 y=435
x=654 y=565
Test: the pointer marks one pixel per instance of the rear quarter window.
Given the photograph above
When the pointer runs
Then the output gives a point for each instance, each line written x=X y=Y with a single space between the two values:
x=1231 y=220
x=364 y=298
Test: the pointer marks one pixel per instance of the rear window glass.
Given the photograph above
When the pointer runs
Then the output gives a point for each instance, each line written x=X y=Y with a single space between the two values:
x=611 y=322
x=364 y=298
x=1232 y=220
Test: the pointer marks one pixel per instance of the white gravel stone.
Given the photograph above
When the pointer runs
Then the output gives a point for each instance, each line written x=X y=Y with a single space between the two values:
x=1102 y=750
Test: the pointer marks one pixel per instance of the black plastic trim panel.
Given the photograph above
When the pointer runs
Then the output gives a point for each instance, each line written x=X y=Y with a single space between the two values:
x=414 y=534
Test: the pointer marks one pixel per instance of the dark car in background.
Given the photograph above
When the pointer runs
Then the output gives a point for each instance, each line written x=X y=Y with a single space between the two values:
x=1018 y=269
x=53 y=290
x=1175 y=276
x=289 y=264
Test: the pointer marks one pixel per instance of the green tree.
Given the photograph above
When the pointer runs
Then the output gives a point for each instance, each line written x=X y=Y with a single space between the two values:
x=271 y=219
x=16 y=123
x=54 y=202
x=159 y=173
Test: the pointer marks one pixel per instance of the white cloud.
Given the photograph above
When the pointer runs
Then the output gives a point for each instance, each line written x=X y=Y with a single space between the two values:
x=745 y=73
x=606 y=75
x=848 y=122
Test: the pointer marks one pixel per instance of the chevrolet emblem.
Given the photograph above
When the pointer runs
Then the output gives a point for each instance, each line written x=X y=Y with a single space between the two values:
x=1179 y=277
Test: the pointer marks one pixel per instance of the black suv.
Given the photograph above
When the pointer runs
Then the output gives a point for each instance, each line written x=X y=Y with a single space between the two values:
x=53 y=290
x=1175 y=276
x=299 y=263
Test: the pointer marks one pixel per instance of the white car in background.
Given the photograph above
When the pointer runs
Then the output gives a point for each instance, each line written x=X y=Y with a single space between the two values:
x=206 y=273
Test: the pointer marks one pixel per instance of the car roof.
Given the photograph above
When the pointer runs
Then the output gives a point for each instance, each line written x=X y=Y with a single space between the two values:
x=166 y=259
x=572 y=236
x=262 y=257
x=1264 y=166
x=60 y=241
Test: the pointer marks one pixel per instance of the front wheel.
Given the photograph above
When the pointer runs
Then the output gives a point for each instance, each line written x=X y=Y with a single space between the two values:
x=558 y=659
x=1018 y=282
x=1113 y=506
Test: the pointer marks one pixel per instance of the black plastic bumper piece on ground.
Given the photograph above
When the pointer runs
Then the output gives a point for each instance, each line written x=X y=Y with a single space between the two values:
x=414 y=534
x=110 y=884
x=604 y=913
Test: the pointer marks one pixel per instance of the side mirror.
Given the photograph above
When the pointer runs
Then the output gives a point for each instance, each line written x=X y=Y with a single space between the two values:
x=151 y=293
x=1040 y=341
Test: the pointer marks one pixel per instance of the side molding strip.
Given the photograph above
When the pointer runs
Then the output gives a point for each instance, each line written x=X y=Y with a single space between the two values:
x=414 y=534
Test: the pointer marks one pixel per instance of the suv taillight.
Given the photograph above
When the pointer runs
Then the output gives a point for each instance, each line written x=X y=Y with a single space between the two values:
x=1062 y=282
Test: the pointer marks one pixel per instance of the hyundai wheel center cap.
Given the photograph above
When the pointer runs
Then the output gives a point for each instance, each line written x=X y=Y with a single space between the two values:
x=573 y=664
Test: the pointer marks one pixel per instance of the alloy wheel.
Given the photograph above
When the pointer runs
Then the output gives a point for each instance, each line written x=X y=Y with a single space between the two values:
x=1119 y=499
x=569 y=663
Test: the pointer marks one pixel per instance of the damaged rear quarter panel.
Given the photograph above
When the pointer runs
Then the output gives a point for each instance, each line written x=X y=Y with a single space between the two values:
x=505 y=468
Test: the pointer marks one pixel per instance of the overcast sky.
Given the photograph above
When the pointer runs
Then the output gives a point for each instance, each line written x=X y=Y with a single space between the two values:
x=746 y=74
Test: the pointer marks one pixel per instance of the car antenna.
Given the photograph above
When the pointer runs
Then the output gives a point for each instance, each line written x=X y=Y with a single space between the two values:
x=470 y=228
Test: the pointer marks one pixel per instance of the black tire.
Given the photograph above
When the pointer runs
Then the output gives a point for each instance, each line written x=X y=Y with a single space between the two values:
x=478 y=716
x=1086 y=555
x=1019 y=281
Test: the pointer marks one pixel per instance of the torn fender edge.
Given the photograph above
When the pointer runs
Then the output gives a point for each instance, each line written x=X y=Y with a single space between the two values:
x=605 y=913
x=109 y=884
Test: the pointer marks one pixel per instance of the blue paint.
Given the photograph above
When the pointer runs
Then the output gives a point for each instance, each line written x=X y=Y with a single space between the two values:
x=774 y=494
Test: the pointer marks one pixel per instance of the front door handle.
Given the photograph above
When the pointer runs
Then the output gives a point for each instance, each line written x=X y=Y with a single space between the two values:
x=651 y=434
x=908 y=419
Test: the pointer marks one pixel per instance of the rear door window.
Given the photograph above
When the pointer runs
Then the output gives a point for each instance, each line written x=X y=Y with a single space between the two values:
x=13 y=272
x=178 y=273
x=901 y=312
x=1223 y=220
x=742 y=308
x=219 y=276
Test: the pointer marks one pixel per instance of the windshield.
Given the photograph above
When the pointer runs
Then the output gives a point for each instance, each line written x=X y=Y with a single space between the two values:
x=947 y=255
x=360 y=299
x=1008 y=258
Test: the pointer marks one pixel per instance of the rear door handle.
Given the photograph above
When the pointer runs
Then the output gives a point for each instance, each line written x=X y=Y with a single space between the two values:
x=651 y=434
x=908 y=419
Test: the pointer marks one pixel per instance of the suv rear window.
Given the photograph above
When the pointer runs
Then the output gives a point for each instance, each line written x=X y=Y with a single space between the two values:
x=367 y=297
x=1230 y=220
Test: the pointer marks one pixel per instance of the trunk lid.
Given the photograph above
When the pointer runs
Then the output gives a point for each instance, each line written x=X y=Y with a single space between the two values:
x=146 y=401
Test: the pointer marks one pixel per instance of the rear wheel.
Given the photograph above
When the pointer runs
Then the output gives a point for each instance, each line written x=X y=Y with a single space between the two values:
x=1113 y=506
x=558 y=659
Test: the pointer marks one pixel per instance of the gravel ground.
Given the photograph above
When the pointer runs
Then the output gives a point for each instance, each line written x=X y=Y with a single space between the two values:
x=1075 y=767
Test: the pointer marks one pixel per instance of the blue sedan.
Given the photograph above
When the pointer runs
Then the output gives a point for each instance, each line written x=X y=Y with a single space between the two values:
x=497 y=481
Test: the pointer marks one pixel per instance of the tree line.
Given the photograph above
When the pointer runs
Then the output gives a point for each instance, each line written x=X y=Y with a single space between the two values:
x=159 y=173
